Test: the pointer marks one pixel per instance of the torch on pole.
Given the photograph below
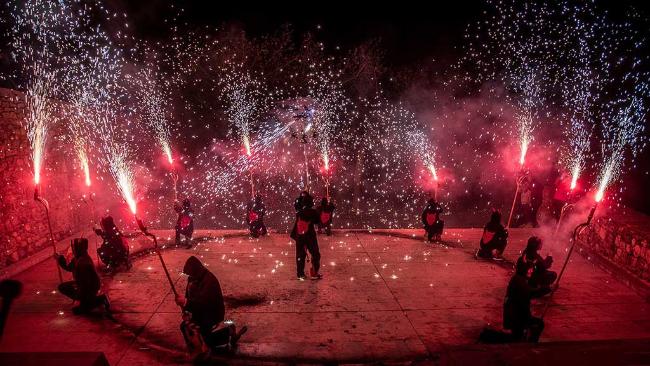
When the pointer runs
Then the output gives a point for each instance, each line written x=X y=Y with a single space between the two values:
x=576 y=232
x=46 y=206
x=565 y=207
x=519 y=181
x=157 y=249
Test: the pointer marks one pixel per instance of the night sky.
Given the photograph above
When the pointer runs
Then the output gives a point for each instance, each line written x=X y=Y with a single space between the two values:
x=409 y=30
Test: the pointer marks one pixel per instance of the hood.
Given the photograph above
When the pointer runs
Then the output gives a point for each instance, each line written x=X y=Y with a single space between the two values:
x=79 y=247
x=193 y=267
x=533 y=246
x=186 y=203
x=495 y=218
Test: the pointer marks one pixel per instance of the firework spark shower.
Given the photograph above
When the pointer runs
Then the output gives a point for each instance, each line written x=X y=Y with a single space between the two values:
x=405 y=129
x=370 y=143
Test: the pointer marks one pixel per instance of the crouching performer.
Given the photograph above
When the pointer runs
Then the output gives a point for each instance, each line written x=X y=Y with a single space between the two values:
x=85 y=284
x=203 y=326
x=517 y=316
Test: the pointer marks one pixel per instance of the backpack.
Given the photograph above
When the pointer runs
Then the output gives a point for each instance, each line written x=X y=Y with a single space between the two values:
x=302 y=226
x=186 y=221
x=325 y=217
x=431 y=218
x=487 y=236
x=252 y=216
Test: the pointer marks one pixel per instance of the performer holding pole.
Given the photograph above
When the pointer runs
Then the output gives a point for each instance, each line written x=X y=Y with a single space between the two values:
x=577 y=231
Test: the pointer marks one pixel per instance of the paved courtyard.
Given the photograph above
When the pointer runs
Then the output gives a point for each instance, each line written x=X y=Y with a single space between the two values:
x=382 y=297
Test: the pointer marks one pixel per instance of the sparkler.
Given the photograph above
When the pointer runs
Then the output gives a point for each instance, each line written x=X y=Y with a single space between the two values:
x=244 y=98
x=623 y=128
x=116 y=156
x=421 y=147
x=38 y=119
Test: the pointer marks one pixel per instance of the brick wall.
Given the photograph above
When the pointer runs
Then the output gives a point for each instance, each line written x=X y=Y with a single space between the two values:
x=622 y=238
x=23 y=225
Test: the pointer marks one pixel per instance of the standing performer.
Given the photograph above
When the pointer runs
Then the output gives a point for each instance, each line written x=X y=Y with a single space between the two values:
x=298 y=204
x=305 y=236
x=541 y=277
x=203 y=326
x=85 y=284
x=184 y=223
x=431 y=220
x=255 y=217
x=494 y=239
x=325 y=214
x=114 y=251
x=516 y=309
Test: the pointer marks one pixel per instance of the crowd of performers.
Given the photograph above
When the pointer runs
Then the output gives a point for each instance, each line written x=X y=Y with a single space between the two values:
x=204 y=326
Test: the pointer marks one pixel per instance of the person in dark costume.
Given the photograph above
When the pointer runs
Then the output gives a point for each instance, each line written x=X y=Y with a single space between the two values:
x=541 y=277
x=306 y=240
x=255 y=217
x=298 y=204
x=325 y=215
x=114 y=250
x=517 y=316
x=184 y=223
x=203 y=326
x=85 y=284
x=494 y=239
x=433 y=225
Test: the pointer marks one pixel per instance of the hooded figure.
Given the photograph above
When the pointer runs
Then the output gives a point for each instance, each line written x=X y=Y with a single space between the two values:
x=541 y=277
x=325 y=214
x=305 y=236
x=516 y=309
x=495 y=237
x=255 y=217
x=204 y=309
x=185 y=222
x=85 y=284
x=299 y=204
x=114 y=250
x=431 y=220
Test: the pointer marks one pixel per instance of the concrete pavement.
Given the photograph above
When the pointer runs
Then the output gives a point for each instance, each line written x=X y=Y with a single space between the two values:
x=382 y=298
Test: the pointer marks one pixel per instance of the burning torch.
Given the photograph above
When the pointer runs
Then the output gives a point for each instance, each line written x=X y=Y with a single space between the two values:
x=326 y=174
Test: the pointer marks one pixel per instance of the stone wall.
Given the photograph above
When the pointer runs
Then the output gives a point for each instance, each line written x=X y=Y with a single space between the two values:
x=23 y=224
x=622 y=237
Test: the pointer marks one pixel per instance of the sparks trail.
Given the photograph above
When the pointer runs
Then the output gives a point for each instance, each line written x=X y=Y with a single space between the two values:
x=153 y=98
x=245 y=98
x=623 y=129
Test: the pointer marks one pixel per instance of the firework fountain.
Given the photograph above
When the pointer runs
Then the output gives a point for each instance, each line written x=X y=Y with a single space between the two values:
x=245 y=98
x=526 y=83
x=153 y=99
x=426 y=152
x=39 y=42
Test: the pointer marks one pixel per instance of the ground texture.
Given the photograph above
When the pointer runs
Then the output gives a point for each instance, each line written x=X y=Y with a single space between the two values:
x=384 y=296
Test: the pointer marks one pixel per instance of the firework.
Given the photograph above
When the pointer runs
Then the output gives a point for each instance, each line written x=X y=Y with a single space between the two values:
x=244 y=98
x=623 y=126
x=39 y=116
